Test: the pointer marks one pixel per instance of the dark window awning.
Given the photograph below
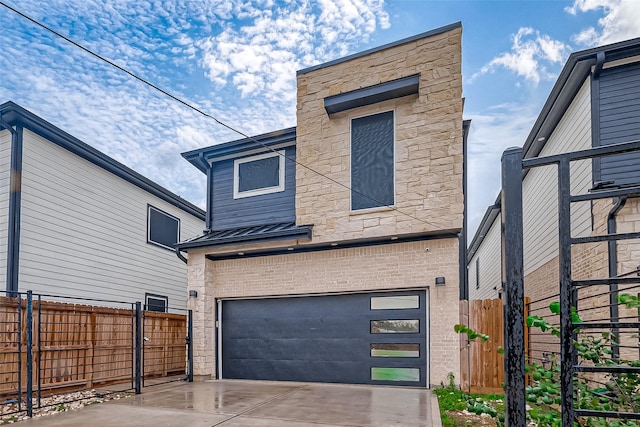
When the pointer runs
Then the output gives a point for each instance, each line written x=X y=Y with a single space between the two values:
x=287 y=230
x=372 y=94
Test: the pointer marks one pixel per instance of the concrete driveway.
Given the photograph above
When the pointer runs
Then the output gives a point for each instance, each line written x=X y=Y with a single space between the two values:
x=231 y=403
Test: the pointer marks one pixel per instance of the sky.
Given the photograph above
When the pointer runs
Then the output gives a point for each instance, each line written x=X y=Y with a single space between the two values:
x=237 y=61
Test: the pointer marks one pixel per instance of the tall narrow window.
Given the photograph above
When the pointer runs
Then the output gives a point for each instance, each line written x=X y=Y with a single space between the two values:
x=477 y=273
x=372 y=161
x=162 y=229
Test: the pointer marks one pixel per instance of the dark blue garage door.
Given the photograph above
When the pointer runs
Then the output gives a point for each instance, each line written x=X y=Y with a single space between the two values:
x=357 y=339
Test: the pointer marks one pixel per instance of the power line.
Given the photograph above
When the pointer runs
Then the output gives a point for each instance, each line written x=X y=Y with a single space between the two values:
x=203 y=113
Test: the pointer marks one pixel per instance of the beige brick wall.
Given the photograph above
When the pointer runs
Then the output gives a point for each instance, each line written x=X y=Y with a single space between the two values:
x=589 y=261
x=428 y=147
x=383 y=267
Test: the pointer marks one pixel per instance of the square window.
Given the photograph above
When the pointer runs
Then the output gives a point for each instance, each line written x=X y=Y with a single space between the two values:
x=156 y=303
x=162 y=229
x=372 y=161
x=257 y=175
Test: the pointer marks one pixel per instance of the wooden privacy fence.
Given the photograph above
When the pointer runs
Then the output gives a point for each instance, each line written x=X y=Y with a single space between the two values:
x=77 y=346
x=481 y=366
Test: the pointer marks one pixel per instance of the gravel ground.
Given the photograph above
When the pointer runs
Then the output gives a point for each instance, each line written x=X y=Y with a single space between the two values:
x=57 y=403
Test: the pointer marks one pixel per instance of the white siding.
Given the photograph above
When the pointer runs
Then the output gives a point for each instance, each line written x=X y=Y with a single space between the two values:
x=540 y=201
x=489 y=253
x=84 y=231
x=5 y=164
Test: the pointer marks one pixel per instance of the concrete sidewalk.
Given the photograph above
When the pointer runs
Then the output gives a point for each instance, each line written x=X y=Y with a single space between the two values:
x=231 y=403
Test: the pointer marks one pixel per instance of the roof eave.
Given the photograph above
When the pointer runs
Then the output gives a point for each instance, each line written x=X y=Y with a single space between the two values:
x=17 y=115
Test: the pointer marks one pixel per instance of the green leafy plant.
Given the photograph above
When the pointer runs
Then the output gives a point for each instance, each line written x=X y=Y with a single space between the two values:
x=621 y=392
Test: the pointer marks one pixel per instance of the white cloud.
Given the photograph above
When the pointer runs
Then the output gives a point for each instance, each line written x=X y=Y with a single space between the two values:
x=492 y=131
x=260 y=57
x=530 y=55
x=251 y=48
x=621 y=21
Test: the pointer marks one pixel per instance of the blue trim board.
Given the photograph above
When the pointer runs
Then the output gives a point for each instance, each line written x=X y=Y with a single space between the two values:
x=15 y=204
x=16 y=115
x=572 y=76
x=201 y=157
x=429 y=33
x=372 y=94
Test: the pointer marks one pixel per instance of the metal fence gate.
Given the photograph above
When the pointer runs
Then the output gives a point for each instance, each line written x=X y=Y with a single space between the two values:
x=587 y=305
x=51 y=345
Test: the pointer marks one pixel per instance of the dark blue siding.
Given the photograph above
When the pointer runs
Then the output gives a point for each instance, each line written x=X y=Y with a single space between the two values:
x=619 y=100
x=264 y=209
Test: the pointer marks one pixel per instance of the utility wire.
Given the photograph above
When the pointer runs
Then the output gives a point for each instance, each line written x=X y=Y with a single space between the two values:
x=203 y=113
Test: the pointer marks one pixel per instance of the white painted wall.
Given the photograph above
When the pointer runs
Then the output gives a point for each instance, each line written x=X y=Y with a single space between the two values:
x=5 y=164
x=489 y=254
x=540 y=200
x=84 y=231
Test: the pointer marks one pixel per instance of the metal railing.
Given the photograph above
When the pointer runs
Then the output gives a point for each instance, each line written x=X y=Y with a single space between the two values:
x=49 y=348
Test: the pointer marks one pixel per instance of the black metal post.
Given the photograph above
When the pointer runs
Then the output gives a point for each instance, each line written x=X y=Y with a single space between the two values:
x=29 y=326
x=513 y=284
x=139 y=344
x=567 y=293
x=190 y=346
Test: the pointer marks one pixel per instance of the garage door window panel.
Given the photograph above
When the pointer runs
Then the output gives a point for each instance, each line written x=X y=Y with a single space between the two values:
x=400 y=326
x=395 y=303
x=395 y=350
x=395 y=374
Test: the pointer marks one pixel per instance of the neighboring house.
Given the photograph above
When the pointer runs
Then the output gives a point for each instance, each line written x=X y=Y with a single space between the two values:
x=331 y=251
x=75 y=222
x=595 y=102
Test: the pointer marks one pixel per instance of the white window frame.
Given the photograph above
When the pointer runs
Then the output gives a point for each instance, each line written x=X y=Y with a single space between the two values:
x=259 y=191
x=164 y=298
x=375 y=208
x=153 y=242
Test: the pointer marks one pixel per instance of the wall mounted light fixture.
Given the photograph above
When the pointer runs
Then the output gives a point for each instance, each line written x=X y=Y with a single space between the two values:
x=193 y=293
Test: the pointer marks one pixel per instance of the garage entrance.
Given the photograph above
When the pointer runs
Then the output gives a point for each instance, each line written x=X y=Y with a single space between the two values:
x=372 y=338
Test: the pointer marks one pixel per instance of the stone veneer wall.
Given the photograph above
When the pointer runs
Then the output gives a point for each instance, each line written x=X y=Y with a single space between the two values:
x=428 y=150
x=382 y=267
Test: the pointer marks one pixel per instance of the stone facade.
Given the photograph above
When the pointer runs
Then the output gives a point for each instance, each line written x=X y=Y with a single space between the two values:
x=428 y=187
x=428 y=142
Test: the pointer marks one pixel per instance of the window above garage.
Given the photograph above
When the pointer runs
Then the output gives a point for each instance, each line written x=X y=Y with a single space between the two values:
x=258 y=175
x=372 y=161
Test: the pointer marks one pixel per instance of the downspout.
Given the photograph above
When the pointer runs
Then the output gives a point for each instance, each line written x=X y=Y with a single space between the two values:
x=462 y=243
x=182 y=257
x=613 y=270
x=15 y=202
